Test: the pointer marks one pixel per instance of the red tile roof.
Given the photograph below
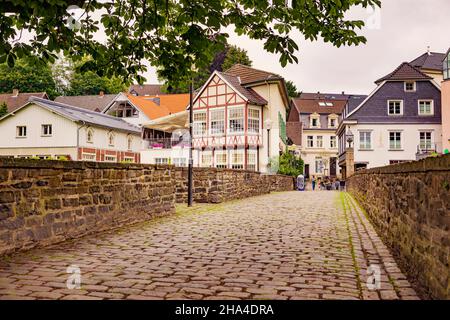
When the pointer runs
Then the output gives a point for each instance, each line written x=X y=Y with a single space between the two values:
x=249 y=75
x=405 y=72
x=314 y=105
x=168 y=104
x=14 y=102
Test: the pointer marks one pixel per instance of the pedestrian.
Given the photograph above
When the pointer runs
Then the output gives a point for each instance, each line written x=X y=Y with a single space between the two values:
x=313 y=182
x=337 y=184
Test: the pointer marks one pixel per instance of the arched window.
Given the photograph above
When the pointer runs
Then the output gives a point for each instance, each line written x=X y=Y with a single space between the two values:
x=111 y=138
x=130 y=143
x=90 y=135
x=446 y=66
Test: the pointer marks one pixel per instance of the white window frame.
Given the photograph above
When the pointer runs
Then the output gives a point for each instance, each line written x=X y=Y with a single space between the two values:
x=316 y=166
x=310 y=140
x=431 y=140
x=111 y=158
x=367 y=144
x=161 y=160
x=179 y=162
x=211 y=130
x=128 y=159
x=409 y=82
x=251 y=160
x=21 y=131
x=431 y=107
x=314 y=117
x=87 y=156
x=330 y=119
x=333 y=139
x=252 y=120
x=321 y=141
x=399 y=147
x=90 y=130
x=221 y=164
x=202 y=131
x=237 y=154
x=43 y=129
x=230 y=109
x=401 y=108
x=203 y=163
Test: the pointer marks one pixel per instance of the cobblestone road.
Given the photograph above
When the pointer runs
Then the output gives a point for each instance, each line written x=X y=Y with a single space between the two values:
x=292 y=245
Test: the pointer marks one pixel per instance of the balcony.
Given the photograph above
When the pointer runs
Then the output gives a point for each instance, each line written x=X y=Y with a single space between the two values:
x=425 y=150
x=166 y=143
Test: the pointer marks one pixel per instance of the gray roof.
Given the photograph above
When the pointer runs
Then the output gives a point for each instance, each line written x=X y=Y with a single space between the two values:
x=146 y=89
x=91 y=102
x=86 y=116
x=429 y=60
x=354 y=101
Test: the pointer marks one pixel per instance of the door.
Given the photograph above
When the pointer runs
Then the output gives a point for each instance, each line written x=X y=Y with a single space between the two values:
x=333 y=162
x=306 y=171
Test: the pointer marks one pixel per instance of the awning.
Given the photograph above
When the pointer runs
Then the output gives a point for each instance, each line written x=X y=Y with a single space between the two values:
x=169 y=123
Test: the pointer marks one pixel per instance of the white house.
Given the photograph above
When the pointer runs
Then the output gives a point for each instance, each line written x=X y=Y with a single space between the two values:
x=47 y=129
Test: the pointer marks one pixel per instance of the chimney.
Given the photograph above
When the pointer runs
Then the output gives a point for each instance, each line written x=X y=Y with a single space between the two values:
x=428 y=50
x=102 y=93
x=239 y=79
x=343 y=93
x=15 y=93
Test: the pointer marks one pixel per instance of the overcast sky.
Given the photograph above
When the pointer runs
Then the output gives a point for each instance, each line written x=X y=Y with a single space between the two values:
x=407 y=27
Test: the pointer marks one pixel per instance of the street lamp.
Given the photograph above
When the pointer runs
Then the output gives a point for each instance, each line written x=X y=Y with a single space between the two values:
x=268 y=126
x=349 y=136
x=191 y=149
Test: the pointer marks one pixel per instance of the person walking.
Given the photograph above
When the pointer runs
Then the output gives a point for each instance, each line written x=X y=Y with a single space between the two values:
x=313 y=182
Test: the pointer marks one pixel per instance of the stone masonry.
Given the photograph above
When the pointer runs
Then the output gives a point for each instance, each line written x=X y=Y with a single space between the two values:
x=409 y=205
x=44 y=202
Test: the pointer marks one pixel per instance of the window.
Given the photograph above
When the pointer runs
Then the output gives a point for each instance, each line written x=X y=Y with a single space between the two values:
x=88 y=156
x=206 y=160
x=44 y=157
x=425 y=140
x=319 y=165
x=237 y=159
x=397 y=161
x=21 y=131
x=333 y=143
x=46 y=130
x=446 y=67
x=236 y=119
x=395 y=107
x=126 y=111
x=130 y=143
x=410 y=86
x=199 y=125
x=253 y=120
x=395 y=140
x=426 y=107
x=310 y=141
x=179 y=162
x=111 y=139
x=109 y=158
x=161 y=160
x=90 y=136
x=365 y=140
x=221 y=160
x=319 y=142
x=314 y=122
x=251 y=161
x=128 y=159
x=333 y=122
x=217 y=118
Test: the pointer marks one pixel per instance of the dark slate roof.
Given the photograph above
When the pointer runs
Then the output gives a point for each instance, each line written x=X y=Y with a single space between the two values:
x=251 y=75
x=86 y=116
x=145 y=89
x=354 y=101
x=14 y=102
x=248 y=93
x=429 y=61
x=405 y=72
x=90 y=102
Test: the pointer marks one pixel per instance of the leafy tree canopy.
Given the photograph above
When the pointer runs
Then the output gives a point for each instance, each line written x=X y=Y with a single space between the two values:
x=289 y=164
x=292 y=89
x=27 y=75
x=221 y=61
x=170 y=34
x=3 y=109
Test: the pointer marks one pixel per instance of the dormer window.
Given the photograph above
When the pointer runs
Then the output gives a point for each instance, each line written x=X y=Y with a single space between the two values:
x=332 y=121
x=314 y=120
x=410 y=86
x=446 y=66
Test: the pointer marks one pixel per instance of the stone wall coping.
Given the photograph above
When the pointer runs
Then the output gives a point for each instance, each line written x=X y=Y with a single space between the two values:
x=440 y=163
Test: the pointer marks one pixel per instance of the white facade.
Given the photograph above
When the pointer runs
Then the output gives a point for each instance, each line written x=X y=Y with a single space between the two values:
x=137 y=118
x=176 y=156
x=34 y=131
x=378 y=150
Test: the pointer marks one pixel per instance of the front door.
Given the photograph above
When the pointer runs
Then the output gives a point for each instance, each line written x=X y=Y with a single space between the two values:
x=306 y=171
x=333 y=167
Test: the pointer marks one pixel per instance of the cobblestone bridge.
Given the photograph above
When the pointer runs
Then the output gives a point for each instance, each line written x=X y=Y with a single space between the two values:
x=291 y=245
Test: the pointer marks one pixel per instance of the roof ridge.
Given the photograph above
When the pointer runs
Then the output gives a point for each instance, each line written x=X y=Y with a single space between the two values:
x=249 y=67
x=389 y=75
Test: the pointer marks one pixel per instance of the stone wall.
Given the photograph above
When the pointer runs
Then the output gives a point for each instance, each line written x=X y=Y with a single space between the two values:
x=44 y=202
x=409 y=205
x=217 y=185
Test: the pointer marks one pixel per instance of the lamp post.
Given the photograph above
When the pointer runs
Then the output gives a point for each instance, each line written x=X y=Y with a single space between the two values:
x=268 y=126
x=191 y=147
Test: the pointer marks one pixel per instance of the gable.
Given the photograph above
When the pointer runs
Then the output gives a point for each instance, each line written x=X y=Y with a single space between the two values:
x=374 y=108
x=217 y=93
